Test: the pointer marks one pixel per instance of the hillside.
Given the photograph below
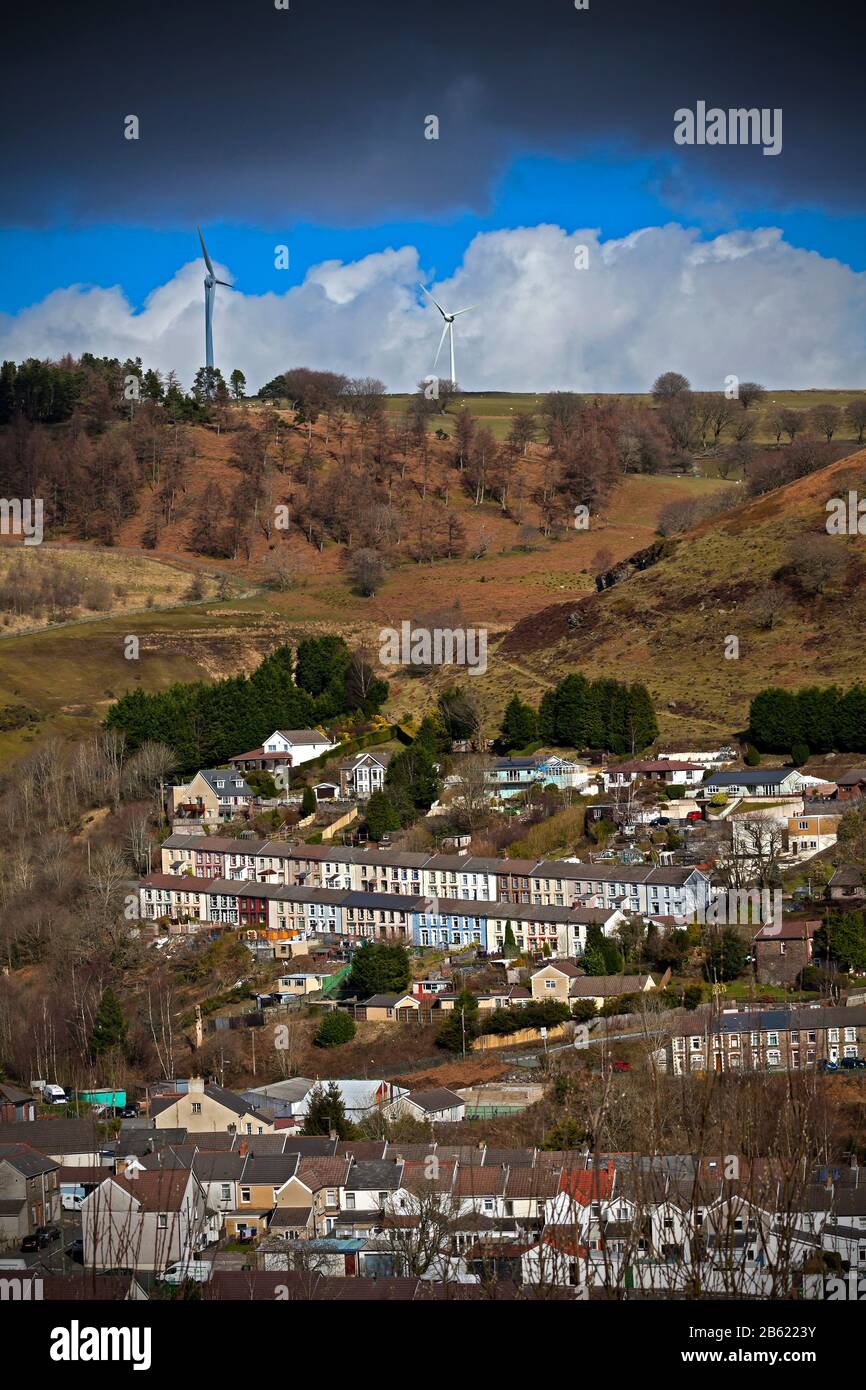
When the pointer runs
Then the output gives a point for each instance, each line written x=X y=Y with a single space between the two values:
x=62 y=679
x=667 y=625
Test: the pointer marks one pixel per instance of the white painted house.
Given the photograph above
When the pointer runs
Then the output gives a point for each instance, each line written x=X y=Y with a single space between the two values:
x=652 y=770
x=283 y=750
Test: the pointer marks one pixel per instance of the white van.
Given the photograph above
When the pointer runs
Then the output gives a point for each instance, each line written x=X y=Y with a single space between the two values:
x=197 y=1270
x=54 y=1095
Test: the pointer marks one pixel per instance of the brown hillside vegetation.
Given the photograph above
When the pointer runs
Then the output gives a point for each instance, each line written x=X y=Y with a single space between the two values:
x=766 y=573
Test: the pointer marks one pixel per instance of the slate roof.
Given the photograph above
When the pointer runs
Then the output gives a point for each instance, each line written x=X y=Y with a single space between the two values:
x=55 y=1135
x=26 y=1160
x=439 y=1098
x=374 y=1175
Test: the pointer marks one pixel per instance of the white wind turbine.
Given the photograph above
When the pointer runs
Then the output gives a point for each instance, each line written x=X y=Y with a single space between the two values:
x=449 y=329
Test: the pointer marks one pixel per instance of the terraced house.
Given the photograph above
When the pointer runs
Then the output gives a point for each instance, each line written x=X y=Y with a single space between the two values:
x=768 y=1040
x=544 y=883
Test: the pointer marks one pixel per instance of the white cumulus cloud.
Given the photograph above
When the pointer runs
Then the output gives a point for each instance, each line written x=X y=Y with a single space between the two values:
x=744 y=303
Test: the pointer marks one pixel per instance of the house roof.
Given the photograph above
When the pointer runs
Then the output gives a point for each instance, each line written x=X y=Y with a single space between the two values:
x=587 y=1185
x=54 y=1136
x=12 y=1095
x=362 y=1148
x=597 y=986
x=143 y=1139
x=654 y=765
x=374 y=1175
x=218 y=1166
x=235 y=784
x=271 y=1170
x=302 y=736
x=847 y=876
x=531 y=1183
x=790 y=930
x=290 y=1216
x=348 y=764
x=480 y=1182
x=26 y=1160
x=179 y=883
x=777 y=1020
x=318 y=1172
x=388 y=1001
x=751 y=777
x=439 y=1098
x=160 y=1189
x=292 y=1090
x=563 y=967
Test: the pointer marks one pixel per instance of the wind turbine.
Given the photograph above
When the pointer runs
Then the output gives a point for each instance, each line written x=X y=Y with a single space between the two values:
x=210 y=283
x=449 y=329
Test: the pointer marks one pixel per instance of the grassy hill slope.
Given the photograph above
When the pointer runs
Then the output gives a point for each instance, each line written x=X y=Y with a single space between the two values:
x=668 y=625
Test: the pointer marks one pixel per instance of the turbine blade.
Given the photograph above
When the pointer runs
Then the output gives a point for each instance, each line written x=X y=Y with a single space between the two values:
x=463 y=311
x=207 y=259
x=441 y=341
x=435 y=301
x=223 y=282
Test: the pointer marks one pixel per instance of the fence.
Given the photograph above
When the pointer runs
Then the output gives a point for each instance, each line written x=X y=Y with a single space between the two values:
x=523 y=1035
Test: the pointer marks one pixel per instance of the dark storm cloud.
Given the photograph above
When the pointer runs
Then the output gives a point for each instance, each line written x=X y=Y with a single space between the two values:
x=248 y=112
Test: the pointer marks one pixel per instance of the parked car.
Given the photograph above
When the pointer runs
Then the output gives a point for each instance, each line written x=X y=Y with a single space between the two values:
x=75 y=1250
x=694 y=815
x=622 y=1066
x=850 y=1063
x=128 y=1112
x=199 y=1271
x=824 y=1065
x=54 y=1095
x=42 y=1236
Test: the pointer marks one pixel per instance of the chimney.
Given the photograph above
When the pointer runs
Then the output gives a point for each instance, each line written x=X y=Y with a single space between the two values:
x=196 y=1084
x=243 y=1148
x=332 y=1134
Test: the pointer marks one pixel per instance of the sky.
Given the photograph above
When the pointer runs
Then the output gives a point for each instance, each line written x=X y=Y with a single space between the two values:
x=304 y=127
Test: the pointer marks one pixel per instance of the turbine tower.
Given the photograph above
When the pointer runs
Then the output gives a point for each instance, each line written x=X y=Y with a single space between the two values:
x=210 y=283
x=449 y=329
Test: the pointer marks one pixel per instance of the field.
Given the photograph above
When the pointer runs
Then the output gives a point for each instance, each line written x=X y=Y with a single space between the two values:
x=495 y=409
x=107 y=582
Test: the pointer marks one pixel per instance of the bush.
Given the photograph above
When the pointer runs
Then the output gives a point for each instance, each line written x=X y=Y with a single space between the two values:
x=582 y=1010
x=335 y=1028
x=752 y=757
x=379 y=968
x=800 y=754
x=692 y=996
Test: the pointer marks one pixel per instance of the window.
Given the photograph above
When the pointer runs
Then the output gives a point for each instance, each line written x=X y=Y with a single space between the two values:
x=196 y=1107
x=383 y=1197
x=162 y=1221
x=550 y=984
x=350 y=1201
x=331 y=1196
x=246 y=1194
x=225 y=1192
